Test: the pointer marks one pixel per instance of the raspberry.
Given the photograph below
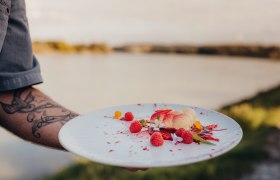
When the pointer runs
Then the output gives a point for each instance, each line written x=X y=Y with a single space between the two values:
x=156 y=139
x=135 y=127
x=128 y=116
x=180 y=131
x=166 y=135
x=187 y=137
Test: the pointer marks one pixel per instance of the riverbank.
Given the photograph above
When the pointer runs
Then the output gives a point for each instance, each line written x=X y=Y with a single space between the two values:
x=270 y=52
x=50 y=47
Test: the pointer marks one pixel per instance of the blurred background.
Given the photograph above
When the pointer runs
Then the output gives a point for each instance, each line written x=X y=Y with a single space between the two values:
x=219 y=54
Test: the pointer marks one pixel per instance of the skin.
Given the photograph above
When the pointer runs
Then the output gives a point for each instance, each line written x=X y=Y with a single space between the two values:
x=33 y=116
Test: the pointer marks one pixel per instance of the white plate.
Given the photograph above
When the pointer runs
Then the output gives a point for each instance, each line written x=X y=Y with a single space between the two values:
x=105 y=140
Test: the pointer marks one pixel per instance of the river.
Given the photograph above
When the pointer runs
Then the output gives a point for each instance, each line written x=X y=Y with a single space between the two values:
x=87 y=82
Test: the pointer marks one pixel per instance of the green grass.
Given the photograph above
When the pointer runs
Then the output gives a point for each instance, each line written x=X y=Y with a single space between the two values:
x=258 y=118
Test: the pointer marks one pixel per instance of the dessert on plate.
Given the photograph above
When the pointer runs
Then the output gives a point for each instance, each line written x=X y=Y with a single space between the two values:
x=175 y=118
x=178 y=126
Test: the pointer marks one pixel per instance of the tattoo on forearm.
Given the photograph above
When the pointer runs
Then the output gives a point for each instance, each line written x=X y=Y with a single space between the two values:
x=37 y=110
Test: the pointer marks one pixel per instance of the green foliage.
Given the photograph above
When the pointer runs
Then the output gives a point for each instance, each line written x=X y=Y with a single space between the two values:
x=258 y=117
x=63 y=47
x=261 y=110
x=255 y=116
x=266 y=99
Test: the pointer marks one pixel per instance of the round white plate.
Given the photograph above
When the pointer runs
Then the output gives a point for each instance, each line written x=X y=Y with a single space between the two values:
x=102 y=139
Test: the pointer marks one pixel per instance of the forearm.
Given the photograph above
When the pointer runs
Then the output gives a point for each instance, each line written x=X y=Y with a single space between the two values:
x=33 y=116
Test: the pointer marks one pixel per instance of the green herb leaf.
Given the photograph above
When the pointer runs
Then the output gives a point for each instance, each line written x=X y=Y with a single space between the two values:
x=143 y=122
x=196 y=137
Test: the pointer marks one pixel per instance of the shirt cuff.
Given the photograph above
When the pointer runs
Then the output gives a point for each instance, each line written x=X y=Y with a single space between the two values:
x=20 y=81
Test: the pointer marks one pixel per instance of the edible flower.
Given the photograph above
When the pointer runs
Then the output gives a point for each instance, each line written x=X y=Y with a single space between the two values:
x=198 y=125
x=176 y=138
x=157 y=125
x=118 y=115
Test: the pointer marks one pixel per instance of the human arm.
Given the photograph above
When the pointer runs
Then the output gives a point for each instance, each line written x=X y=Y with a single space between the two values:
x=33 y=116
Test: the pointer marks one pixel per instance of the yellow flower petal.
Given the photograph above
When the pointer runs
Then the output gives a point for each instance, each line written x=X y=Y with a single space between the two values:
x=118 y=115
x=198 y=125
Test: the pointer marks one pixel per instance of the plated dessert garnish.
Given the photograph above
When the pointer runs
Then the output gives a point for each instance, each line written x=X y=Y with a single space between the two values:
x=178 y=126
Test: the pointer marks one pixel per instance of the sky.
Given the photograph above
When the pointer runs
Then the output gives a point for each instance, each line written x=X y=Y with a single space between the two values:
x=156 y=21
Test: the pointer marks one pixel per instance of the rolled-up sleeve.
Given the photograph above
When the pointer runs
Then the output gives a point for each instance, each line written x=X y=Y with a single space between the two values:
x=18 y=67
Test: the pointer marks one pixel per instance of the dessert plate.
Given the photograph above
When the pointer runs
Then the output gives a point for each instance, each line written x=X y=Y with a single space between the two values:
x=98 y=137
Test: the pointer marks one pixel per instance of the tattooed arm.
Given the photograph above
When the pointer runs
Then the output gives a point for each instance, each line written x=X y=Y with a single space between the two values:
x=33 y=116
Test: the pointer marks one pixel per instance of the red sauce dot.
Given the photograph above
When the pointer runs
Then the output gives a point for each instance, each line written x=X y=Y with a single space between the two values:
x=145 y=149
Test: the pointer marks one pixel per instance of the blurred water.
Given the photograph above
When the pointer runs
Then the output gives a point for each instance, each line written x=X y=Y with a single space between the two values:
x=88 y=82
x=96 y=81
x=156 y=21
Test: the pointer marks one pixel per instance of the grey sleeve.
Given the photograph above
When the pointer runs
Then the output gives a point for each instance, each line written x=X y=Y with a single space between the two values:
x=18 y=67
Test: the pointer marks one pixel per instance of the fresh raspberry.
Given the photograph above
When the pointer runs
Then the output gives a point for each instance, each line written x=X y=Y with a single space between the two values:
x=156 y=139
x=166 y=135
x=187 y=137
x=135 y=127
x=128 y=116
x=180 y=131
